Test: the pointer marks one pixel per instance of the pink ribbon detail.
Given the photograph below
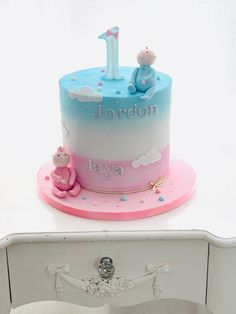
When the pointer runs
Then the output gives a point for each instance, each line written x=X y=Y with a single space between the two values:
x=111 y=33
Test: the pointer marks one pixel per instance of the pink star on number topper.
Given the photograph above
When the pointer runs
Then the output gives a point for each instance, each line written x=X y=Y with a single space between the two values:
x=111 y=33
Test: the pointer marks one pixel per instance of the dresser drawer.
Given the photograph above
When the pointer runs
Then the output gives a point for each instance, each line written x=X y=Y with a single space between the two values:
x=5 y=304
x=149 y=269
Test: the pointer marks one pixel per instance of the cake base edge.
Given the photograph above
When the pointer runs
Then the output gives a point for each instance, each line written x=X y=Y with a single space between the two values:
x=177 y=189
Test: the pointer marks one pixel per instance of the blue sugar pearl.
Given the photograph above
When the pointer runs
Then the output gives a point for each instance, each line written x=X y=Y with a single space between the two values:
x=118 y=91
x=124 y=198
x=161 y=199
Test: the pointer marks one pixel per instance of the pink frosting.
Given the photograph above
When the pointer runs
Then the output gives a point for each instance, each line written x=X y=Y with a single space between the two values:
x=118 y=176
x=63 y=173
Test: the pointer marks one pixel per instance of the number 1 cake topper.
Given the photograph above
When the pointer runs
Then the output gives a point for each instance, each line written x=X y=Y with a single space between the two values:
x=111 y=36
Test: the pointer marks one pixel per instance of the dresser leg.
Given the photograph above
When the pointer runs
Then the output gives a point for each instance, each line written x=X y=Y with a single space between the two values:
x=222 y=280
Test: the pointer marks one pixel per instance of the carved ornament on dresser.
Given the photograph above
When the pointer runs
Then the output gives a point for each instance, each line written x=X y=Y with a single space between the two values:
x=104 y=284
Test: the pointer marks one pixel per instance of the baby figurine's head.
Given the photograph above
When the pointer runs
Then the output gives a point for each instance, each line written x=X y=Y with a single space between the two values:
x=61 y=158
x=146 y=57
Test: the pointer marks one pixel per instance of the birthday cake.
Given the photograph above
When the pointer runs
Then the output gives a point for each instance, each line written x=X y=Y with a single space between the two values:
x=118 y=139
x=115 y=123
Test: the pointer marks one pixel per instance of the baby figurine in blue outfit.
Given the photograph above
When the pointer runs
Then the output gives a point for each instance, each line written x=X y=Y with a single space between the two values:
x=144 y=78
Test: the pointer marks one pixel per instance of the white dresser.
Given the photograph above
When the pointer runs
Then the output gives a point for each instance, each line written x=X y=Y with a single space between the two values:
x=5 y=301
x=190 y=265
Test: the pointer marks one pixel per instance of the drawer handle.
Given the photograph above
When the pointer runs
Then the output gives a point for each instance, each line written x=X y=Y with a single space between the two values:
x=99 y=286
x=106 y=268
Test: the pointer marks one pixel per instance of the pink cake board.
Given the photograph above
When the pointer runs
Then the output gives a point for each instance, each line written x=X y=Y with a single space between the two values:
x=176 y=190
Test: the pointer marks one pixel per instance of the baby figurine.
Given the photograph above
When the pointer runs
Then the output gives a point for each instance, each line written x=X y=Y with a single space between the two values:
x=63 y=177
x=144 y=78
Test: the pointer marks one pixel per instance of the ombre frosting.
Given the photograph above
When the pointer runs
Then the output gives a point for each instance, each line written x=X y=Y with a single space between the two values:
x=118 y=142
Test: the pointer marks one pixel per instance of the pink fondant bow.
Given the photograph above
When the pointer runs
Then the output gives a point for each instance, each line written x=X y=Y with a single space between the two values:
x=111 y=33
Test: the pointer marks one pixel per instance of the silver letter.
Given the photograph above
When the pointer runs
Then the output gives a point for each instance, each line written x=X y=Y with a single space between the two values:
x=108 y=115
x=144 y=113
x=132 y=112
x=118 y=171
x=109 y=170
x=98 y=115
x=152 y=109
x=89 y=167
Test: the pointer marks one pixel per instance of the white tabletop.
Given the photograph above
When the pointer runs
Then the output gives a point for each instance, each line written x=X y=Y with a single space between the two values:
x=43 y=42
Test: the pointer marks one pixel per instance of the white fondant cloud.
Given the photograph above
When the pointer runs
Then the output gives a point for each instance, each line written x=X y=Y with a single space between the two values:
x=85 y=94
x=151 y=156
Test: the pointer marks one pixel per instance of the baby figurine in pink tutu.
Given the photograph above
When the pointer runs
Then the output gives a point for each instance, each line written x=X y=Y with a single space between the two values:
x=63 y=177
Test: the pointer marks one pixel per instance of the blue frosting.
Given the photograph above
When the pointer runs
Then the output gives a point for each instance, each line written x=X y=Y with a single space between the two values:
x=143 y=73
x=113 y=104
